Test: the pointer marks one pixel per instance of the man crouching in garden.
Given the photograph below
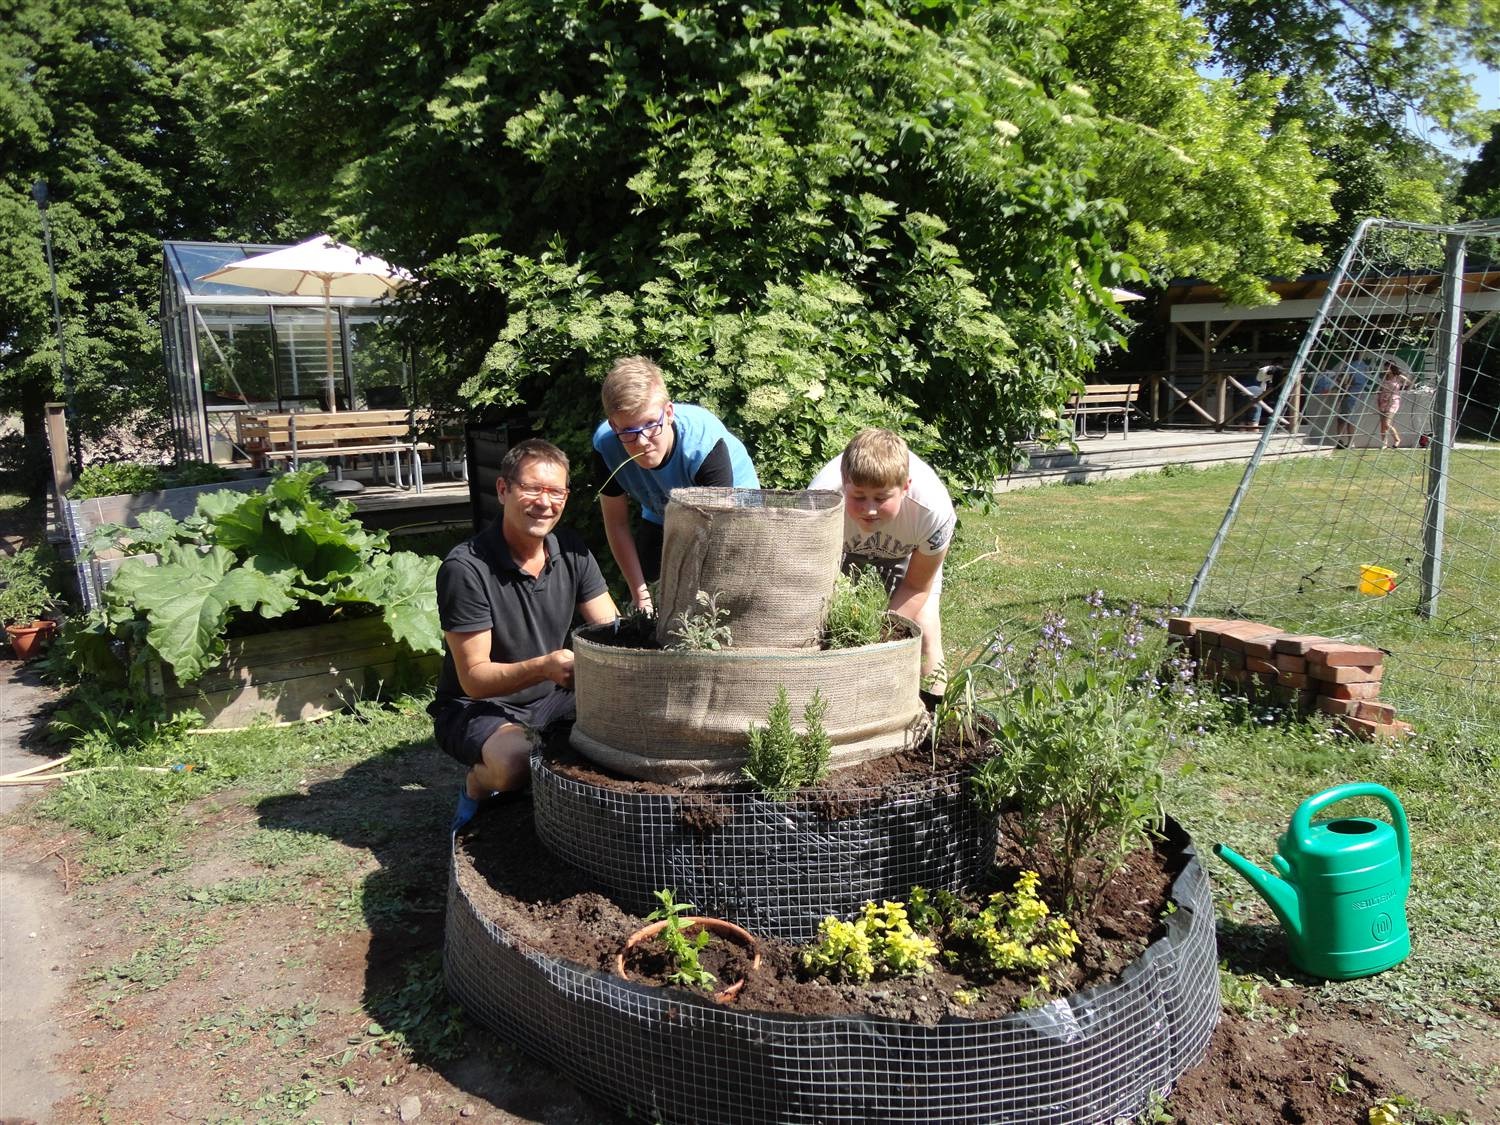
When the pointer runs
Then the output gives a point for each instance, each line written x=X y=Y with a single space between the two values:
x=506 y=599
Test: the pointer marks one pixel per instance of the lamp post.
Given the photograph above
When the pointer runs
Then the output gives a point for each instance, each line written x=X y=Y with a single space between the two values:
x=39 y=193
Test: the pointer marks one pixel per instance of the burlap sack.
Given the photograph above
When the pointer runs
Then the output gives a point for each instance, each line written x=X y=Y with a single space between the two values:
x=676 y=715
x=771 y=557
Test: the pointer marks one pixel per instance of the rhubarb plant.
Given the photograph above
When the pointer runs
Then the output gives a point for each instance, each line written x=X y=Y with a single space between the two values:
x=268 y=553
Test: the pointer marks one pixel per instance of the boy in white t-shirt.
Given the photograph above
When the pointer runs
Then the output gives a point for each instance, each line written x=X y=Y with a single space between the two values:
x=897 y=518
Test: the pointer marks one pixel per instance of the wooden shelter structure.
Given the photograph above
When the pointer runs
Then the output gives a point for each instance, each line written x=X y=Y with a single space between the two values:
x=1213 y=347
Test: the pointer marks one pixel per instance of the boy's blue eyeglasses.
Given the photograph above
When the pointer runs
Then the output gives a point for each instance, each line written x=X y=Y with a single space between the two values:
x=643 y=433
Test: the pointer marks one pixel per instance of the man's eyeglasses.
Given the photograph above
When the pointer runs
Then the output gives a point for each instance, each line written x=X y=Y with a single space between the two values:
x=643 y=433
x=534 y=492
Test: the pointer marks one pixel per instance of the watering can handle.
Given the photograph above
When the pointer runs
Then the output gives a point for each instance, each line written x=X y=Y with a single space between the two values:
x=1302 y=819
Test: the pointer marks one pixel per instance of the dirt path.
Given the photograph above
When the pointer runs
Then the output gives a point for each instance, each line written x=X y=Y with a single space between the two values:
x=36 y=938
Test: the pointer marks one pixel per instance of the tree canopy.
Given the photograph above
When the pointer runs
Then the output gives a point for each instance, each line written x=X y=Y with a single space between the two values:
x=816 y=215
x=91 y=102
x=1380 y=61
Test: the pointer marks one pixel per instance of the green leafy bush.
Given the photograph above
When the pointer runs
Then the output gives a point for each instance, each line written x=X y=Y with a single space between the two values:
x=126 y=478
x=116 y=478
x=780 y=760
x=26 y=589
x=879 y=943
x=189 y=474
x=1079 y=739
x=856 y=612
x=284 y=549
x=816 y=217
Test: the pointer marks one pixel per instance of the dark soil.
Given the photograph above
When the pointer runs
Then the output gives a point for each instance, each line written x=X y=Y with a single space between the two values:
x=843 y=793
x=549 y=906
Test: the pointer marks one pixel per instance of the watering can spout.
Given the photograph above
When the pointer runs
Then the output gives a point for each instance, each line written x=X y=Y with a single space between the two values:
x=1278 y=893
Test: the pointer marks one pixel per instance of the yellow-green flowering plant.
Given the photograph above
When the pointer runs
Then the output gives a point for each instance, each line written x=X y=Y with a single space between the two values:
x=879 y=943
x=1015 y=933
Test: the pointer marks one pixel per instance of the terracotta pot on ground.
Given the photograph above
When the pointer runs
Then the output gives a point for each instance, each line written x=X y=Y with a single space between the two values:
x=716 y=926
x=29 y=641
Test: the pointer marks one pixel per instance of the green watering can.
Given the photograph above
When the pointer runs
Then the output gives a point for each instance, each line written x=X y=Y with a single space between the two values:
x=1342 y=894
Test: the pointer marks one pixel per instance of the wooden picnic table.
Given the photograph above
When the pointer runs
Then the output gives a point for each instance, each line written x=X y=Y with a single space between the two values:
x=336 y=435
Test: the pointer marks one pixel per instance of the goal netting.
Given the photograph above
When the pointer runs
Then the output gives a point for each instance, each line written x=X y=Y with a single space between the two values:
x=1387 y=529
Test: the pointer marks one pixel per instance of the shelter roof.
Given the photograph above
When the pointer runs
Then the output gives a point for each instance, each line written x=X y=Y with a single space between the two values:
x=1192 y=299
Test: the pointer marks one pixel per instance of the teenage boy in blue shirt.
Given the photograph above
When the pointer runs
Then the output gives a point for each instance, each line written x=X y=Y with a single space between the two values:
x=646 y=446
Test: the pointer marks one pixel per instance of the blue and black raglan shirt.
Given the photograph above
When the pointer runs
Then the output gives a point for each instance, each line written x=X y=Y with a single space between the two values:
x=704 y=455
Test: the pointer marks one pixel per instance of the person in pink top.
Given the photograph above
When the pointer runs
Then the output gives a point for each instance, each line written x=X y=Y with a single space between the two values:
x=1394 y=380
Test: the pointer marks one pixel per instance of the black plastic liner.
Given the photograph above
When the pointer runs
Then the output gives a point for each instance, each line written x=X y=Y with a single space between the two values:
x=1095 y=1056
x=776 y=869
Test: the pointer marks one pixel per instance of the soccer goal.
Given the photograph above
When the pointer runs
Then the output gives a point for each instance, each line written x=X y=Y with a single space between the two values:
x=1388 y=532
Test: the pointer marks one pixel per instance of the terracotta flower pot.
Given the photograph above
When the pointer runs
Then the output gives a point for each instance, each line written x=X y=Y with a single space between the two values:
x=717 y=926
x=29 y=641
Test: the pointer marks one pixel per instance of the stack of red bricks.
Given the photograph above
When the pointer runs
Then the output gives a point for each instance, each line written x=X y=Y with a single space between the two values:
x=1294 y=670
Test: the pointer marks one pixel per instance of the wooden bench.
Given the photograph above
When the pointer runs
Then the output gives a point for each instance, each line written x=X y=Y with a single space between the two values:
x=1102 y=398
x=318 y=436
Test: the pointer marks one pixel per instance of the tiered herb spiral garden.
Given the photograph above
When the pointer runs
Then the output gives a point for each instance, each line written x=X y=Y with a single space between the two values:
x=986 y=918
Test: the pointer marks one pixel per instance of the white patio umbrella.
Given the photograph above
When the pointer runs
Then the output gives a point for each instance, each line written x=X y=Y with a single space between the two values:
x=318 y=267
x=1123 y=295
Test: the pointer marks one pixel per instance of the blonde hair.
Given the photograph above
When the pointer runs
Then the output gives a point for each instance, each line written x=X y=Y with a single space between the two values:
x=876 y=459
x=633 y=384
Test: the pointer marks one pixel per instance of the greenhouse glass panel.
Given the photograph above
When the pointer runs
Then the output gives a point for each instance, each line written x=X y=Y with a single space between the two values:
x=378 y=359
x=232 y=352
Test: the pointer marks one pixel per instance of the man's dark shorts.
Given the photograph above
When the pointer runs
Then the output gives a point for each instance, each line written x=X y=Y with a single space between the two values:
x=464 y=726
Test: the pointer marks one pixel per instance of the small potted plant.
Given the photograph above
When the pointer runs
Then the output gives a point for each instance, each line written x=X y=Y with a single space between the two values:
x=672 y=922
x=25 y=598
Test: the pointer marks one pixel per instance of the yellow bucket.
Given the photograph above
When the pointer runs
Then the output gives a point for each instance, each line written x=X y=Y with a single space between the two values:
x=1376 y=581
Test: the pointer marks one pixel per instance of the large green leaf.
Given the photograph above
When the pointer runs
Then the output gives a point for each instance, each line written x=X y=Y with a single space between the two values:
x=290 y=521
x=187 y=599
x=404 y=585
x=267 y=551
x=217 y=505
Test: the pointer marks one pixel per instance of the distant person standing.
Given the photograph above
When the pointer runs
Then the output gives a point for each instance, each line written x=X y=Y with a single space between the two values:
x=1354 y=379
x=1394 y=380
x=1267 y=379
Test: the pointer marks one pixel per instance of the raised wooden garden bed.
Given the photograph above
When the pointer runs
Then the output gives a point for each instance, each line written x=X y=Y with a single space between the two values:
x=298 y=673
x=84 y=517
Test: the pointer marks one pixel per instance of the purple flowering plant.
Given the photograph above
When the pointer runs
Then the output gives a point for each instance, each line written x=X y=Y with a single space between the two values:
x=1079 y=716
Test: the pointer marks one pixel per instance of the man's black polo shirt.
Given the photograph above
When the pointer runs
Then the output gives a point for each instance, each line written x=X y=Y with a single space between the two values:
x=480 y=586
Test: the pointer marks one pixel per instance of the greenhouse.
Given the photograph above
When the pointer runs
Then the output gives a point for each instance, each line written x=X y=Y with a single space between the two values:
x=233 y=353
